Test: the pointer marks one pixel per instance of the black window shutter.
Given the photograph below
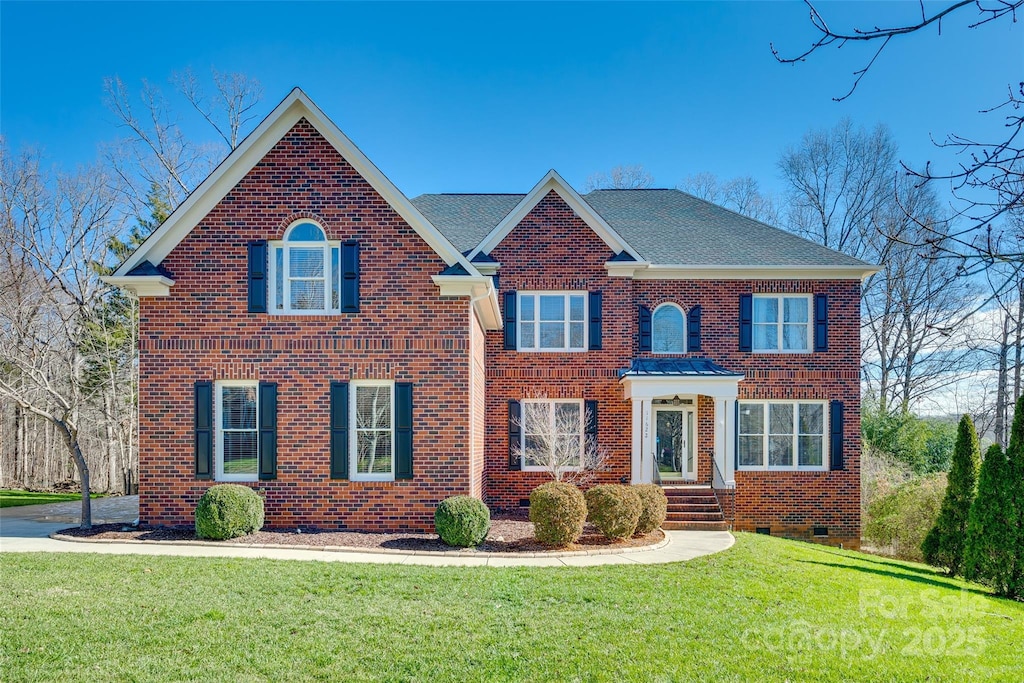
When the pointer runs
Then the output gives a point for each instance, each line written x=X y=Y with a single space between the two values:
x=836 y=435
x=693 y=329
x=645 y=328
x=821 y=322
x=403 y=430
x=746 y=321
x=258 y=276
x=268 y=430
x=595 y=321
x=591 y=418
x=339 y=430
x=203 y=427
x=350 y=277
x=510 y=321
x=515 y=434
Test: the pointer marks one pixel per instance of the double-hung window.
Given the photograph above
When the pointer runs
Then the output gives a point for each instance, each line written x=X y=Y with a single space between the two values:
x=781 y=435
x=552 y=321
x=781 y=323
x=237 y=435
x=553 y=434
x=372 y=431
x=305 y=271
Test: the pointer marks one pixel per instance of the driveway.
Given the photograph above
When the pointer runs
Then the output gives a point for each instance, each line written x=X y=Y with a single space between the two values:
x=28 y=527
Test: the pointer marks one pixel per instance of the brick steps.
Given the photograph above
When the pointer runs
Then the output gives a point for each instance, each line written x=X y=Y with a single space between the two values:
x=693 y=508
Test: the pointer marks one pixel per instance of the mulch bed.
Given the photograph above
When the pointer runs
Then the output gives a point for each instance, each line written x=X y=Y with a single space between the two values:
x=510 y=532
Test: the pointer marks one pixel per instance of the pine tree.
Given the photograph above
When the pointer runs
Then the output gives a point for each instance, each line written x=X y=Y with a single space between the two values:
x=1015 y=475
x=944 y=544
x=988 y=556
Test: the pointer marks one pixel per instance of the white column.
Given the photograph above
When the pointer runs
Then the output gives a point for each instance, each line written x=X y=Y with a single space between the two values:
x=648 y=449
x=636 y=476
x=729 y=471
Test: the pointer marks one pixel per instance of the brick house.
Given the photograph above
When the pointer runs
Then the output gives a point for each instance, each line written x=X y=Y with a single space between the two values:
x=357 y=356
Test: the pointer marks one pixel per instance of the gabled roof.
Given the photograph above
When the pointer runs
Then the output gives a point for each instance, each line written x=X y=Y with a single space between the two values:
x=552 y=182
x=291 y=110
x=667 y=229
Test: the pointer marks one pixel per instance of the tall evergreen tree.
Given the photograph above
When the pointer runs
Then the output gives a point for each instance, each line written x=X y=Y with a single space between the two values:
x=988 y=555
x=944 y=544
x=1015 y=471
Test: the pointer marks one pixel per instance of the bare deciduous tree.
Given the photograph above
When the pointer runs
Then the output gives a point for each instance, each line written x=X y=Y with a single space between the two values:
x=157 y=152
x=987 y=181
x=843 y=186
x=743 y=195
x=627 y=177
x=54 y=229
x=554 y=439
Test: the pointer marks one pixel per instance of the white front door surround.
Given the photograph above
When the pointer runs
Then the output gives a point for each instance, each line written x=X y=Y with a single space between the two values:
x=643 y=391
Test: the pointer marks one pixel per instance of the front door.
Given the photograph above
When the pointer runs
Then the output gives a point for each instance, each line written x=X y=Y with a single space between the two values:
x=674 y=454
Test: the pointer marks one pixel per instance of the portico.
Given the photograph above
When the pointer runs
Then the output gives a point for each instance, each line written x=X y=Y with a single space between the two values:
x=665 y=396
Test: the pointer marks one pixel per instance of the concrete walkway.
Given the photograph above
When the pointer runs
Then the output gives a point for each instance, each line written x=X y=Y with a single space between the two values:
x=27 y=529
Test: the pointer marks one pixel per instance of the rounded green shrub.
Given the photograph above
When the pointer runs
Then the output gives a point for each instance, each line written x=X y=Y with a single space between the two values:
x=462 y=521
x=614 y=509
x=558 y=512
x=653 y=507
x=228 y=511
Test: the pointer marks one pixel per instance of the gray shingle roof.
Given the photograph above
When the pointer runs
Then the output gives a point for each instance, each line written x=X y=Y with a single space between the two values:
x=465 y=219
x=666 y=227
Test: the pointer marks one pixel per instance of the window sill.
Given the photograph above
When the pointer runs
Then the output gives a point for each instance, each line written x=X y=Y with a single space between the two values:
x=540 y=468
x=746 y=468
x=552 y=350
x=773 y=352
x=371 y=479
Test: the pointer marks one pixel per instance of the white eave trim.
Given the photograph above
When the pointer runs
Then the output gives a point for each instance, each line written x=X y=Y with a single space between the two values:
x=142 y=285
x=481 y=293
x=553 y=181
x=256 y=145
x=703 y=272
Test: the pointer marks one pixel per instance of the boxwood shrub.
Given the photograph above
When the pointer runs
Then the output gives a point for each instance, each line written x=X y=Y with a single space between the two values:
x=653 y=507
x=558 y=512
x=614 y=509
x=462 y=521
x=227 y=511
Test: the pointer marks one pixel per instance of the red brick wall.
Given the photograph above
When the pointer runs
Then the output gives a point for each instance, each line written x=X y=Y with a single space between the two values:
x=404 y=332
x=789 y=503
x=554 y=249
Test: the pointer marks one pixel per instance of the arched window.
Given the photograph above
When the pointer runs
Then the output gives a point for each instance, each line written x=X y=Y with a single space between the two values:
x=305 y=271
x=668 y=329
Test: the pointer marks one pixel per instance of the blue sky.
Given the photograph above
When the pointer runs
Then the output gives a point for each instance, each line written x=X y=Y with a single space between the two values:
x=480 y=97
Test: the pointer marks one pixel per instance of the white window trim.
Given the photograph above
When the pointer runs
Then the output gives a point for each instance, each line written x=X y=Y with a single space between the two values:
x=522 y=437
x=679 y=308
x=764 y=467
x=780 y=323
x=218 y=408
x=354 y=474
x=536 y=321
x=328 y=246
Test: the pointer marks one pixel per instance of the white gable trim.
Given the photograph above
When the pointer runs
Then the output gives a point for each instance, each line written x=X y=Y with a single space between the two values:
x=256 y=145
x=553 y=181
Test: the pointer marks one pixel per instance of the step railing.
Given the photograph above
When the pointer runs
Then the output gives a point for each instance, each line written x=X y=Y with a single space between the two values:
x=725 y=493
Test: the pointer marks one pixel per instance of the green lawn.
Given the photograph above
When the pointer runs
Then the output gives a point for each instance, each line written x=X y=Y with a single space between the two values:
x=767 y=609
x=10 y=498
